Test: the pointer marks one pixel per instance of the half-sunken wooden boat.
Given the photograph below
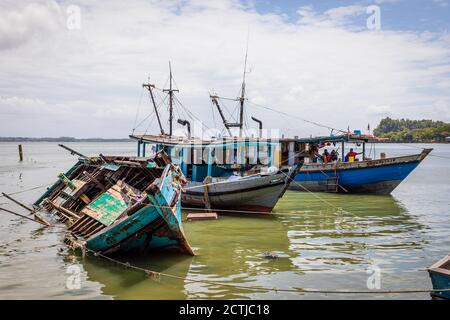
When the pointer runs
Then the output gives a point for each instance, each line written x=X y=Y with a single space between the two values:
x=440 y=278
x=366 y=176
x=124 y=204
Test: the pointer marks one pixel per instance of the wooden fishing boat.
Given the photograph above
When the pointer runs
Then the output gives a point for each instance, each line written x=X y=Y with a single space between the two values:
x=124 y=204
x=440 y=278
x=220 y=173
x=232 y=177
x=366 y=176
x=256 y=193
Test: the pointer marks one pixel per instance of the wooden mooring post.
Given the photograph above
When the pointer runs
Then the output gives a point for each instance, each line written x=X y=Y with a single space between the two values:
x=20 y=153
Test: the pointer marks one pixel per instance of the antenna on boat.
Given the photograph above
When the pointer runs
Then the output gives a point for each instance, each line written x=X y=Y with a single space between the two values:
x=149 y=87
x=242 y=97
x=170 y=91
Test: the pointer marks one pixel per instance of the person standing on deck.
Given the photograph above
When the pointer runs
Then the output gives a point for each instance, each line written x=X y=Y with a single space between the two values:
x=351 y=154
x=333 y=156
x=325 y=156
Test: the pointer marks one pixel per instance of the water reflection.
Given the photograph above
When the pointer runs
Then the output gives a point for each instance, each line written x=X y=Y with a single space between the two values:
x=301 y=242
x=234 y=250
x=369 y=229
x=119 y=282
x=317 y=247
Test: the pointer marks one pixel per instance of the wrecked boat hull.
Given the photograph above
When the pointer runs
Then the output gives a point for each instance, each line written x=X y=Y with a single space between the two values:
x=120 y=204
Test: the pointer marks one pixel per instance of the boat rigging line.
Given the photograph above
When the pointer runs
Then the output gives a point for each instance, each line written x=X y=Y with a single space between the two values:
x=149 y=87
x=170 y=92
x=297 y=117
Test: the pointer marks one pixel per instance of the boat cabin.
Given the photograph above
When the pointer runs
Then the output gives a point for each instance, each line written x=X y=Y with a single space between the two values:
x=310 y=150
x=222 y=157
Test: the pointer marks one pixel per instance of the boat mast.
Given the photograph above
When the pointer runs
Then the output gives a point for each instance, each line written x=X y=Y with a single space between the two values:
x=149 y=87
x=170 y=91
x=242 y=97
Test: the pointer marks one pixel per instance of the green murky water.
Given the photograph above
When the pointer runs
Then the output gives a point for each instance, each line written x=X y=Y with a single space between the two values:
x=315 y=244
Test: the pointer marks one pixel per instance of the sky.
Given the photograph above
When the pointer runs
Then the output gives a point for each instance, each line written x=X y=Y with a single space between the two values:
x=76 y=68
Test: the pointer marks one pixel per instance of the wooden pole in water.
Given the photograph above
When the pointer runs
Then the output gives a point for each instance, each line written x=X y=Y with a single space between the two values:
x=17 y=202
x=37 y=217
x=20 y=153
x=25 y=217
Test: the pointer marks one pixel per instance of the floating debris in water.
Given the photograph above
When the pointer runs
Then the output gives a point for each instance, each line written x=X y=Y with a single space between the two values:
x=270 y=255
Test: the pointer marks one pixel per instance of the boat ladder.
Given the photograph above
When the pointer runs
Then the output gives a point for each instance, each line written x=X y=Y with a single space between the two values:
x=332 y=184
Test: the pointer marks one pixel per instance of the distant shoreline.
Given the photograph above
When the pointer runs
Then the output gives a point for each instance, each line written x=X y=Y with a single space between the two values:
x=62 y=139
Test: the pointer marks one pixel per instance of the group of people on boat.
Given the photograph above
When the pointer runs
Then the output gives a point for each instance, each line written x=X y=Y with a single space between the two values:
x=331 y=157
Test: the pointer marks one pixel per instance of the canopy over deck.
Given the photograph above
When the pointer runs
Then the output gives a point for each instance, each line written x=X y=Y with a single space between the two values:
x=184 y=141
x=350 y=137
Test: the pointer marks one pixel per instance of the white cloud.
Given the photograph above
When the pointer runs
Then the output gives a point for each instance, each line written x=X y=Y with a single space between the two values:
x=324 y=68
x=441 y=3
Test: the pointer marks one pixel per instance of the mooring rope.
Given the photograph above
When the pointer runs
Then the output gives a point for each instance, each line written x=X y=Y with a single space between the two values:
x=156 y=274
x=318 y=197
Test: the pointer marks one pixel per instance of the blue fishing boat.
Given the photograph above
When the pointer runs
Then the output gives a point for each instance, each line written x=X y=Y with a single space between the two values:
x=120 y=204
x=341 y=174
x=440 y=278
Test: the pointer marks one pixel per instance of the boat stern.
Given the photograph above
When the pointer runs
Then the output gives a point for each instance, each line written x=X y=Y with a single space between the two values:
x=440 y=278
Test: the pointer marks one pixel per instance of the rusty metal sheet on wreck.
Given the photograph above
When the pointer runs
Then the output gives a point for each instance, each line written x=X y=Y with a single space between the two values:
x=106 y=208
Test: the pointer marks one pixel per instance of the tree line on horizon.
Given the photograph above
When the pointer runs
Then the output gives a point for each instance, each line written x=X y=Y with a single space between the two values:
x=406 y=130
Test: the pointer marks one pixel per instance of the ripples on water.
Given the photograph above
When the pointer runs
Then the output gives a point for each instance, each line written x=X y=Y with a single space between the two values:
x=316 y=246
